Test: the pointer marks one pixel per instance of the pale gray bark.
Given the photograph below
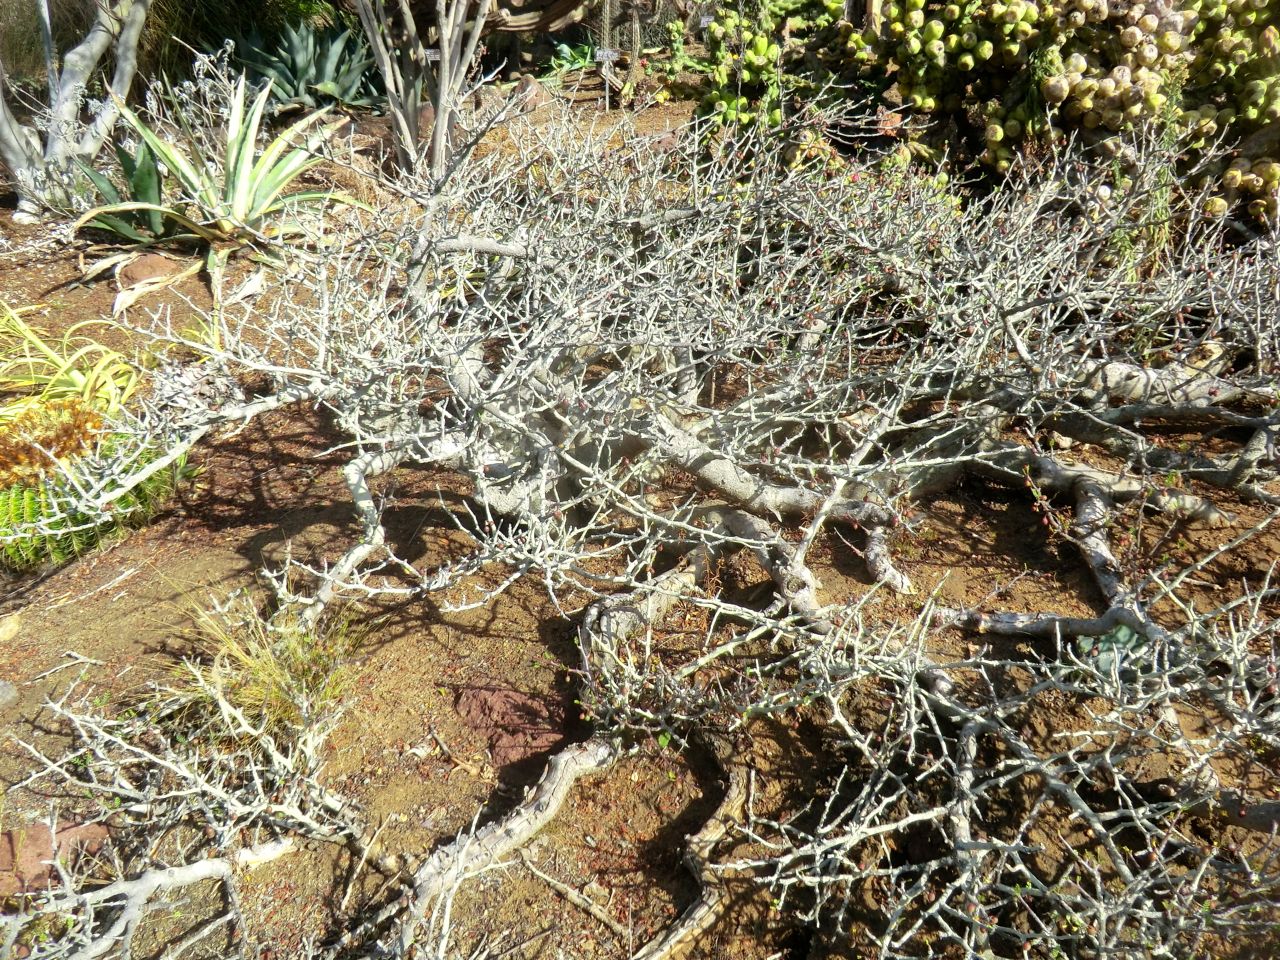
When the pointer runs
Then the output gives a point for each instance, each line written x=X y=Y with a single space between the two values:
x=42 y=161
x=401 y=56
x=632 y=375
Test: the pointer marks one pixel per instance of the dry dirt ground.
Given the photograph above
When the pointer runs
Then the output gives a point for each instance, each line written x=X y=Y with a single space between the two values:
x=452 y=715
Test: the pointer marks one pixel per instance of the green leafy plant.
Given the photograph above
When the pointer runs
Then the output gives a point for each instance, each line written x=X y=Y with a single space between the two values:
x=1014 y=72
x=40 y=369
x=753 y=66
x=678 y=63
x=566 y=59
x=1120 y=649
x=57 y=442
x=143 y=184
x=680 y=60
x=242 y=200
x=176 y=27
x=309 y=67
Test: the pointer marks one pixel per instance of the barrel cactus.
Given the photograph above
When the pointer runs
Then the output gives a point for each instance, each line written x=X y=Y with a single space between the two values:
x=39 y=436
x=53 y=452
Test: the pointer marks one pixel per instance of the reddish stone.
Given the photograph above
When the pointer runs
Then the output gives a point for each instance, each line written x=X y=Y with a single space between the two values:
x=663 y=142
x=26 y=853
x=149 y=266
x=529 y=94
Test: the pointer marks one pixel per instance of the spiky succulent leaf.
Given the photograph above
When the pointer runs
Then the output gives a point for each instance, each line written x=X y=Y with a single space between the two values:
x=308 y=67
x=234 y=201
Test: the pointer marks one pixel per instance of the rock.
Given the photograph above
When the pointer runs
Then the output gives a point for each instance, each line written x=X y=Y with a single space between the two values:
x=488 y=99
x=27 y=851
x=9 y=627
x=8 y=693
x=149 y=266
x=663 y=142
x=529 y=95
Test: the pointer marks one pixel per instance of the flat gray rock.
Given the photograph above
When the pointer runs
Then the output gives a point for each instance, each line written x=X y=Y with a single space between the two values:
x=8 y=693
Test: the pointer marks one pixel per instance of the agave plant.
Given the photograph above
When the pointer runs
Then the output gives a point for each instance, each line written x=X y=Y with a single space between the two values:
x=241 y=200
x=143 y=183
x=569 y=58
x=308 y=68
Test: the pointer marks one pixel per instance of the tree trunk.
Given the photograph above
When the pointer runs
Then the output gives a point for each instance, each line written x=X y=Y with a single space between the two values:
x=43 y=170
x=635 y=73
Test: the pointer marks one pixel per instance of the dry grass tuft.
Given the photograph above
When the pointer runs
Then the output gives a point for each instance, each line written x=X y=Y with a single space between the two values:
x=285 y=679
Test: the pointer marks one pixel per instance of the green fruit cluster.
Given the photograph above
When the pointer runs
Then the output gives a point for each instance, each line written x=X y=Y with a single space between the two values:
x=1233 y=90
x=1019 y=68
x=756 y=56
x=1022 y=65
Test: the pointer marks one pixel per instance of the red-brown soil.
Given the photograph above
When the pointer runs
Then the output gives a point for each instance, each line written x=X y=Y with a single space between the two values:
x=453 y=714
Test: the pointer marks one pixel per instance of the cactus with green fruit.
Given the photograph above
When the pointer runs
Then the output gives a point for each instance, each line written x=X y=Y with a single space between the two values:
x=1018 y=70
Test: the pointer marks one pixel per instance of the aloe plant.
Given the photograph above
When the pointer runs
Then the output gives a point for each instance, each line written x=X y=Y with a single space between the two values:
x=240 y=201
x=308 y=68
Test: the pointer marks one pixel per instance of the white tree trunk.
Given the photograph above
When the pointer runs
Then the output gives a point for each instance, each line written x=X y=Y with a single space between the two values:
x=41 y=161
x=401 y=58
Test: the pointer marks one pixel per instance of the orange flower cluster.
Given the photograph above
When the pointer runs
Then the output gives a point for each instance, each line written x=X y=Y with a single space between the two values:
x=44 y=435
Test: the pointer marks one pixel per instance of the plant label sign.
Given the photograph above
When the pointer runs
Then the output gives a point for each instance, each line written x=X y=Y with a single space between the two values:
x=433 y=55
x=606 y=55
x=706 y=21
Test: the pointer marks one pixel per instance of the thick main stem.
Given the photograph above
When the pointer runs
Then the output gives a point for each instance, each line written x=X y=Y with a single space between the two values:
x=42 y=168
